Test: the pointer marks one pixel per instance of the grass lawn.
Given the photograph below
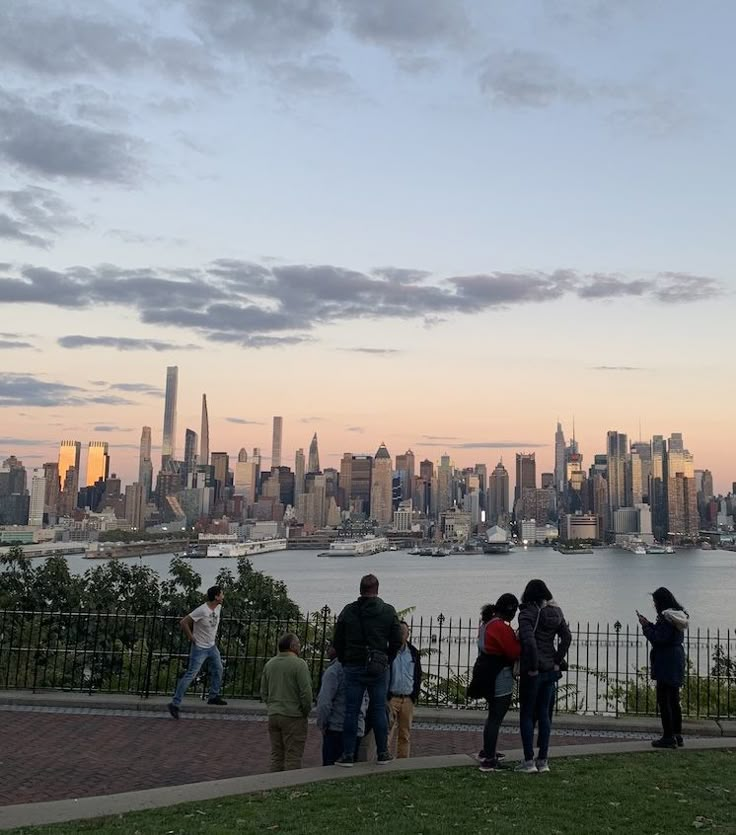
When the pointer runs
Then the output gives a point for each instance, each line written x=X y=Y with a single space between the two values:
x=666 y=792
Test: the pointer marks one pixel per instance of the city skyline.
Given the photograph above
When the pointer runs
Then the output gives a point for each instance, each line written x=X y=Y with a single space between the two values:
x=430 y=222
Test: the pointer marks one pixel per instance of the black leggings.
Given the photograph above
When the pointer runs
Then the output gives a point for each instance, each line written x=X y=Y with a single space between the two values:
x=497 y=709
x=668 y=702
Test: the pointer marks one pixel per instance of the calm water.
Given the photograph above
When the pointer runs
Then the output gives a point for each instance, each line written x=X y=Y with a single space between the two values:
x=600 y=587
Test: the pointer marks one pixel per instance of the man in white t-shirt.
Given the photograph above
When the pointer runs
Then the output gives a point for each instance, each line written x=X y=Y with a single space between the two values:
x=200 y=626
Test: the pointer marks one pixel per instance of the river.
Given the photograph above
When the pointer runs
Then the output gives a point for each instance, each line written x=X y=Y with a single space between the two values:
x=602 y=587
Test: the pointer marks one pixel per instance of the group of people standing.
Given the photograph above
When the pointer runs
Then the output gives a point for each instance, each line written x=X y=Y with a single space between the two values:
x=374 y=677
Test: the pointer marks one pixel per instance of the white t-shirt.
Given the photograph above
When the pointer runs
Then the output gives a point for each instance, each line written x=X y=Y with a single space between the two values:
x=206 y=621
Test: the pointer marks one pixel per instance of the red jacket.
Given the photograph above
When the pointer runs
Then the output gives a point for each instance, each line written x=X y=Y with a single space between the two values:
x=500 y=639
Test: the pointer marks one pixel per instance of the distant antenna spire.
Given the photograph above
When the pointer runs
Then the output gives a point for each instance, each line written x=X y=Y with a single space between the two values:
x=639 y=428
x=573 y=427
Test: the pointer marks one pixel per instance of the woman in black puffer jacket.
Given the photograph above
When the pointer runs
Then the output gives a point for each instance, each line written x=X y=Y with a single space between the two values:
x=667 y=662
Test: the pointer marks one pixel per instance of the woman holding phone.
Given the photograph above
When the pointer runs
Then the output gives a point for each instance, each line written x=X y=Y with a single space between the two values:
x=667 y=662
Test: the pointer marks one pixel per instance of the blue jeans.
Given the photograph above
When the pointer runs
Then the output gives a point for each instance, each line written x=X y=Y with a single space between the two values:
x=536 y=697
x=356 y=684
x=197 y=657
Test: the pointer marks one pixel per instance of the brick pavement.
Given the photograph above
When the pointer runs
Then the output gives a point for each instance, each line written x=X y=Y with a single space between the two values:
x=56 y=753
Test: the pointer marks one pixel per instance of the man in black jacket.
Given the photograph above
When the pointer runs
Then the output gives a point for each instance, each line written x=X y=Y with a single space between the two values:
x=367 y=638
x=403 y=692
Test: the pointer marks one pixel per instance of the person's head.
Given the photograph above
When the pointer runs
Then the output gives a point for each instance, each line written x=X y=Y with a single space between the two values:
x=289 y=643
x=536 y=592
x=215 y=594
x=404 y=632
x=369 y=586
x=506 y=606
x=664 y=599
x=331 y=651
x=488 y=612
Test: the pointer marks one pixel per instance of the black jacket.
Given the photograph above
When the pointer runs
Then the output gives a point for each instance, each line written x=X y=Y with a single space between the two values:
x=380 y=630
x=667 y=658
x=544 y=635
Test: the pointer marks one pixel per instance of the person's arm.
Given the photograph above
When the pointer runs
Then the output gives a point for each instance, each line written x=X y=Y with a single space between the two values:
x=304 y=681
x=417 y=673
x=564 y=637
x=326 y=697
x=528 y=641
x=264 y=685
x=394 y=637
x=659 y=633
x=186 y=624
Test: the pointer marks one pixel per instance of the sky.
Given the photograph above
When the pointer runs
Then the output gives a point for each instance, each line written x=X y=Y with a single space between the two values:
x=438 y=224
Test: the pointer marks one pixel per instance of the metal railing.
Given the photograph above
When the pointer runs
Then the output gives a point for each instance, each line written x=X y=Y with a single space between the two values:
x=144 y=655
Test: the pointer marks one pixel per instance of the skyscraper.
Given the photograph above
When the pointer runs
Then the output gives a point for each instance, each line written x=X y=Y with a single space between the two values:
x=313 y=463
x=38 y=498
x=559 y=459
x=221 y=463
x=278 y=424
x=51 y=500
x=617 y=448
x=498 y=494
x=680 y=490
x=69 y=455
x=298 y=474
x=204 y=435
x=526 y=473
x=98 y=462
x=444 y=484
x=381 y=488
x=135 y=505
x=145 y=466
x=168 y=445
x=361 y=482
x=405 y=470
x=190 y=450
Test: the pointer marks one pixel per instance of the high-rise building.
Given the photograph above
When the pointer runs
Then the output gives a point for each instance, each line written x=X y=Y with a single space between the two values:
x=145 y=465
x=69 y=455
x=190 y=450
x=98 y=462
x=381 y=487
x=559 y=475
x=680 y=491
x=299 y=472
x=204 y=434
x=313 y=462
x=38 y=499
x=168 y=445
x=617 y=449
x=444 y=485
x=221 y=464
x=346 y=480
x=405 y=471
x=51 y=500
x=526 y=473
x=135 y=505
x=498 y=494
x=643 y=450
x=361 y=484
x=278 y=425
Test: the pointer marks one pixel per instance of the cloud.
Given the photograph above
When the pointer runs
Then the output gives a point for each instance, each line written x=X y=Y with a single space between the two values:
x=10 y=344
x=129 y=237
x=441 y=437
x=522 y=78
x=355 y=429
x=34 y=216
x=317 y=73
x=111 y=429
x=310 y=419
x=26 y=390
x=376 y=351
x=38 y=142
x=238 y=302
x=15 y=442
x=122 y=343
x=618 y=368
x=142 y=388
x=244 y=422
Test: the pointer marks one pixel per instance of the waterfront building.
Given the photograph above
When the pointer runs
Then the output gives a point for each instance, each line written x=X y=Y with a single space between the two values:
x=145 y=466
x=382 y=487
x=278 y=424
x=168 y=445
x=576 y=526
x=680 y=491
x=526 y=473
x=456 y=525
x=204 y=434
x=313 y=460
x=498 y=495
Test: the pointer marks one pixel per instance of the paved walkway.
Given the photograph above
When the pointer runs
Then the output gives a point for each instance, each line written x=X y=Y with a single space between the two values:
x=53 y=752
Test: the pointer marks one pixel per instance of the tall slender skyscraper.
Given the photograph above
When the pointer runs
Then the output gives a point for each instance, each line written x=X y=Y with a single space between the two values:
x=559 y=459
x=498 y=494
x=204 y=435
x=381 y=487
x=616 y=452
x=298 y=475
x=145 y=466
x=190 y=450
x=38 y=496
x=98 y=462
x=278 y=423
x=526 y=473
x=168 y=444
x=313 y=463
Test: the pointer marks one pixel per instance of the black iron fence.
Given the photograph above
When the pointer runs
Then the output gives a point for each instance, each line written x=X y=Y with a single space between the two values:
x=144 y=654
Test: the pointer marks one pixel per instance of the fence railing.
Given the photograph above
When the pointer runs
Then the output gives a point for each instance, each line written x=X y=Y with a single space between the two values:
x=144 y=655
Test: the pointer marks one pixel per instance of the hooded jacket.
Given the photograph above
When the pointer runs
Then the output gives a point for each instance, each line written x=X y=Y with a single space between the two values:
x=544 y=635
x=367 y=623
x=667 y=657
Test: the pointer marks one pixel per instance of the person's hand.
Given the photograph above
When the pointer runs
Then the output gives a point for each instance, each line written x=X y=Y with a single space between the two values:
x=642 y=620
x=533 y=672
x=556 y=668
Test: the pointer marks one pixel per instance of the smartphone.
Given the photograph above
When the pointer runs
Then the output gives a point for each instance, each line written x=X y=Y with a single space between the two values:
x=638 y=613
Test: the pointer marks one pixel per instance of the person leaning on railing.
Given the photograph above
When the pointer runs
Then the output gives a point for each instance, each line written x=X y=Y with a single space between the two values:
x=667 y=662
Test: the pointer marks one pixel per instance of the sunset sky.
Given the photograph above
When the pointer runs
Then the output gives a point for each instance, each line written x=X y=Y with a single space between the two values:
x=434 y=223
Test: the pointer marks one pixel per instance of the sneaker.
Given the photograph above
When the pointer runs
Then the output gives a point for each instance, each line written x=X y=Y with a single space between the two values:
x=480 y=756
x=216 y=700
x=345 y=761
x=488 y=765
x=542 y=766
x=500 y=757
x=174 y=710
x=384 y=758
x=664 y=742
x=680 y=741
x=526 y=767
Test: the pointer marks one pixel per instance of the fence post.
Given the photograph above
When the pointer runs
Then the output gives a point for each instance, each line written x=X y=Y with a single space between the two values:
x=617 y=627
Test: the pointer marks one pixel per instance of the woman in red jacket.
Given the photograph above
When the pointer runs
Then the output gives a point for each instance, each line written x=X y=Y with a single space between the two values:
x=501 y=648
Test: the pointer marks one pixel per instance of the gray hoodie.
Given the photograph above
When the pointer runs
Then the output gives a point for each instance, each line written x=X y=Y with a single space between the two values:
x=331 y=701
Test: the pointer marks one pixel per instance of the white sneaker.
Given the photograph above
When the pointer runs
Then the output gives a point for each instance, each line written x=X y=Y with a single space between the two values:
x=542 y=766
x=526 y=767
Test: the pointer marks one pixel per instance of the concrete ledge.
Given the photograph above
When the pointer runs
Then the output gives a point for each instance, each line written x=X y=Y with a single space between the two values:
x=37 y=814
x=429 y=715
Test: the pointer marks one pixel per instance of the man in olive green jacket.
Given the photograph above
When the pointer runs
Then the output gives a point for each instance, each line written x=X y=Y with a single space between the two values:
x=286 y=689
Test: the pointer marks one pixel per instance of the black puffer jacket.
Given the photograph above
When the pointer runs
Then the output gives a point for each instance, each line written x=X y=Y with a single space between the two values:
x=544 y=635
x=380 y=630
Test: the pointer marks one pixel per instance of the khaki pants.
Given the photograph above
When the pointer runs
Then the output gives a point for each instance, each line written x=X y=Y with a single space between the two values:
x=401 y=710
x=288 y=736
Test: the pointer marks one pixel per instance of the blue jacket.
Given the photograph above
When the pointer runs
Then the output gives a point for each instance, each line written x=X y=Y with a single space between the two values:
x=667 y=657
